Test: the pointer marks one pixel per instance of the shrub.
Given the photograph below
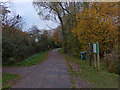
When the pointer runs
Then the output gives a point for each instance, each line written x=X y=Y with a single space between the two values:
x=113 y=68
x=111 y=61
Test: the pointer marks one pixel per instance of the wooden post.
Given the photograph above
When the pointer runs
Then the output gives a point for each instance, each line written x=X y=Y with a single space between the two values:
x=98 y=57
x=95 y=59
x=90 y=54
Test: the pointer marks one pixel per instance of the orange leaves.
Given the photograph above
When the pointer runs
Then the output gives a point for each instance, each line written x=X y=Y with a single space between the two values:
x=97 y=24
x=56 y=36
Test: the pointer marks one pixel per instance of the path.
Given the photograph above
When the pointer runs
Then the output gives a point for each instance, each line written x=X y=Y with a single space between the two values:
x=52 y=73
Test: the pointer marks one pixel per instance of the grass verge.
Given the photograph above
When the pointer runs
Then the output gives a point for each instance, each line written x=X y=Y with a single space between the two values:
x=8 y=79
x=99 y=79
x=35 y=59
x=32 y=60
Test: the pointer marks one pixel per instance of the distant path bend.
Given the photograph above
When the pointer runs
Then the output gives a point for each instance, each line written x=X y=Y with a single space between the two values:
x=52 y=73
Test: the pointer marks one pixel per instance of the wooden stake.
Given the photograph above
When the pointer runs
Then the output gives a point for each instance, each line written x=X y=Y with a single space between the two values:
x=90 y=54
x=98 y=57
x=95 y=59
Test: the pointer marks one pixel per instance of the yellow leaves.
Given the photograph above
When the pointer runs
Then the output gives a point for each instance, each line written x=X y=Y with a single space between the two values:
x=72 y=30
x=97 y=24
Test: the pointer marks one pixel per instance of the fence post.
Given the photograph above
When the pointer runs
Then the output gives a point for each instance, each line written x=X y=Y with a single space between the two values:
x=98 y=57
x=95 y=59
x=90 y=54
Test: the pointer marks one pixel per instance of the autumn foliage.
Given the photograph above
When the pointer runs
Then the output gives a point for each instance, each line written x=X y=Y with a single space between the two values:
x=98 y=23
x=17 y=44
x=56 y=37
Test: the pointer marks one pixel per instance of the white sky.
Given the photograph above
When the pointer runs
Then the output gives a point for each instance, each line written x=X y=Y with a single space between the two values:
x=29 y=14
x=25 y=9
x=64 y=0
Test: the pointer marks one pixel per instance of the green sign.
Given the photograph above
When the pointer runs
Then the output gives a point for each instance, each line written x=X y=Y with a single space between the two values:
x=95 y=47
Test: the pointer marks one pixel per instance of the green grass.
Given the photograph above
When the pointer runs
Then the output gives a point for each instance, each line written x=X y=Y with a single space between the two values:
x=32 y=60
x=35 y=59
x=8 y=79
x=99 y=79
x=72 y=79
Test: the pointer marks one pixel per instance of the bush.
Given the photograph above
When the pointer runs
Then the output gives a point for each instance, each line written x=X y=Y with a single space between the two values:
x=11 y=60
x=73 y=46
x=113 y=68
x=111 y=61
x=108 y=60
x=18 y=47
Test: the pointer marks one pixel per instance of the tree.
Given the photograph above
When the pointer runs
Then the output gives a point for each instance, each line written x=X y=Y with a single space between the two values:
x=57 y=36
x=10 y=21
x=14 y=41
x=98 y=24
x=35 y=33
x=59 y=11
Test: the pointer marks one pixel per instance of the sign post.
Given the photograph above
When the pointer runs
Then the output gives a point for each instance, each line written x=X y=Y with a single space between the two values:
x=98 y=57
x=95 y=52
x=90 y=54
x=95 y=59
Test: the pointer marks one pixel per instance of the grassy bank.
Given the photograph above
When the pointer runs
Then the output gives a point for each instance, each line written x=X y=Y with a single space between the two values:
x=8 y=79
x=35 y=59
x=32 y=60
x=99 y=79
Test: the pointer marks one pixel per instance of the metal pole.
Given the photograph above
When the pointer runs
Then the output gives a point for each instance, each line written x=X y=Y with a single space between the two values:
x=90 y=54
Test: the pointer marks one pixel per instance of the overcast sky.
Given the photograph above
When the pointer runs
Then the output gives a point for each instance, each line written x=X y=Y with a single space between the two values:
x=29 y=14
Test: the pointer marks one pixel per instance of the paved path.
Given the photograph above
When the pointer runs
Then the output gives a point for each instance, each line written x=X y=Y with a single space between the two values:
x=52 y=73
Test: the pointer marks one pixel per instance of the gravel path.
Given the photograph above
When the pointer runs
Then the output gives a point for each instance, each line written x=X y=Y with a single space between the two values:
x=52 y=73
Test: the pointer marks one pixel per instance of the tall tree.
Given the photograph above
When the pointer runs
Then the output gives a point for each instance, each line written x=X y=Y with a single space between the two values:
x=98 y=24
x=59 y=11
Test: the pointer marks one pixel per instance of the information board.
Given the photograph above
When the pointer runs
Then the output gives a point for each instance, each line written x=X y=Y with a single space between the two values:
x=95 y=47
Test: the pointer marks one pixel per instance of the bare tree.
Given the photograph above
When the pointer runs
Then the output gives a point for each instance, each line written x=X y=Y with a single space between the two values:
x=9 y=20
x=63 y=12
